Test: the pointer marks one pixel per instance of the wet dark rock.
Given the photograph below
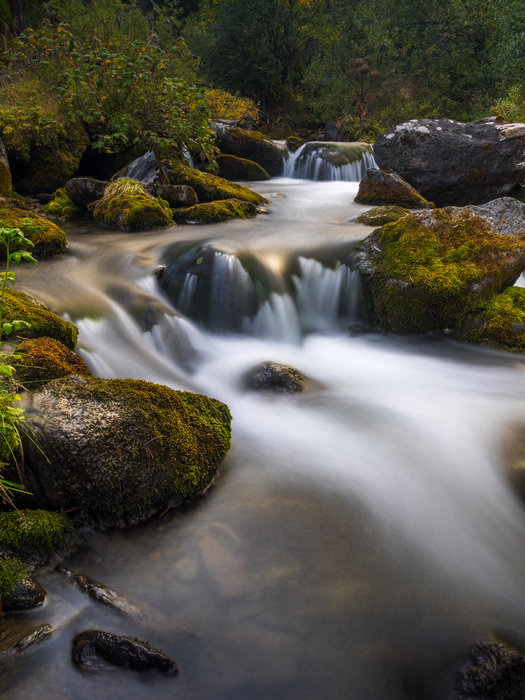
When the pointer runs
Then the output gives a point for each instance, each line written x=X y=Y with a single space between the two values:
x=145 y=169
x=19 y=634
x=93 y=650
x=235 y=168
x=272 y=376
x=251 y=145
x=84 y=190
x=428 y=270
x=490 y=671
x=103 y=594
x=380 y=187
x=26 y=595
x=452 y=163
x=116 y=451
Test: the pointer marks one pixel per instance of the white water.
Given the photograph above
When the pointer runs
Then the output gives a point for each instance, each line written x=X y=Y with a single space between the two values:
x=360 y=533
x=311 y=167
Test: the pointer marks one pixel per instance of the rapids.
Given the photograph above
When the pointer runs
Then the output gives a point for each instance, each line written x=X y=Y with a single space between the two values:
x=357 y=536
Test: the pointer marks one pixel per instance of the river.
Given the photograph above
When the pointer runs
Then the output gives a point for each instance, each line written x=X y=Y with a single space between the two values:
x=358 y=534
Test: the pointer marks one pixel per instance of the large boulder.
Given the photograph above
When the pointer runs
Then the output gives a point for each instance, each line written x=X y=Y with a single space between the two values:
x=127 y=206
x=452 y=163
x=116 y=451
x=84 y=190
x=379 y=187
x=427 y=270
x=235 y=168
x=47 y=237
x=251 y=145
x=6 y=184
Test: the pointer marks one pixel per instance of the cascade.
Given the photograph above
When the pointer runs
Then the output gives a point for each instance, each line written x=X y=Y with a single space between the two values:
x=329 y=161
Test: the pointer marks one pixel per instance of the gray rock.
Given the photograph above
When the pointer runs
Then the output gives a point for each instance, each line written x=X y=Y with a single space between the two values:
x=19 y=634
x=145 y=169
x=175 y=195
x=452 y=163
x=251 y=145
x=84 y=190
x=274 y=377
x=103 y=594
x=93 y=650
x=490 y=671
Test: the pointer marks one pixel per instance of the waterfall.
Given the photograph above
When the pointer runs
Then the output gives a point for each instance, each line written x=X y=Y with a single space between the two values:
x=329 y=161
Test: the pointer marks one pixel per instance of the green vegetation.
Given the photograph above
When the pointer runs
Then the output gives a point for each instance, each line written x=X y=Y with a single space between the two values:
x=234 y=168
x=12 y=572
x=213 y=212
x=379 y=216
x=27 y=531
x=127 y=206
x=62 y=205
x=41 y=236
x=41 y=360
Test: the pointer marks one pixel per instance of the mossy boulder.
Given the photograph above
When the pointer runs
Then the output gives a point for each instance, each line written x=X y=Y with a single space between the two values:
x=428 y=270
x=43 y=323
x=44 y=359
x=500 y=323
x=379 y=216
x=234 y=168
x=294 y=142
x=214 y=212
x=116 y=451
x=380 y=187
x=62 y=206
x=36 y=534
x=209 y=187
x=127 y=206
x=251 y=145
x=6 y=184
x=47 y=237
x=84 y=190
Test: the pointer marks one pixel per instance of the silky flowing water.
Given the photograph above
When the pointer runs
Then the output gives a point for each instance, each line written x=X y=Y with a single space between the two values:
x=357 y=536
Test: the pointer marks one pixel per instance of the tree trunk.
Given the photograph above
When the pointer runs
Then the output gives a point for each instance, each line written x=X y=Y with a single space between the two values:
x=19 y=20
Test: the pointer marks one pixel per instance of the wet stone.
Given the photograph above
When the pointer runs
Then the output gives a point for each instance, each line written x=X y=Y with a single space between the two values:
x=271 y=376
x=490 y=671
x=17 y=635
x=26 y=595
x=93 y=650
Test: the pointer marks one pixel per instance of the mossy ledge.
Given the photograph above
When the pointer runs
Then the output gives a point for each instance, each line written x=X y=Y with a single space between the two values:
x=119 y=450
x=214 y=212
x=127 y=206
x=43 y=323
x=426 y=271
x=47 y=237
x=44 y=359
x=209 y=187
x=235 y=168
x=501 y=323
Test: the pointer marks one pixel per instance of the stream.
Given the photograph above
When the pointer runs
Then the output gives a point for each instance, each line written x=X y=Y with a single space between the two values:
x=358 y=534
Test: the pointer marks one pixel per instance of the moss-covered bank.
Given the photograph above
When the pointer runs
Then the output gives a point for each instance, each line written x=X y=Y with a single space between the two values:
x=43 y=323
x=47 y=237
x=44 y=359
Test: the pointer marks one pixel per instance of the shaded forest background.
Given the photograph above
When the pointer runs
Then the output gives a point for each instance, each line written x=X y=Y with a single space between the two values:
x=140 y=72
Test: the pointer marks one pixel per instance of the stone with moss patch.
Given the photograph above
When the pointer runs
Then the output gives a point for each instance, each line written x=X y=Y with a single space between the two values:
x=501 y=322
x=62 y=206
x=380 y=187
x=36 y=532
x=235 y=168
x=18 y=590
x=426 y=271
x=47 y=237
x=43 y=323
x=294 y=142
x=251 y=145
x=209 y=187
x=44 y=359
x=214 y=212
x=116 y=451
x=379 y=216
x=127 y=206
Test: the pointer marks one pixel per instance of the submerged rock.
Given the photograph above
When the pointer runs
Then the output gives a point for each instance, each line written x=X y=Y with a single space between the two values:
x=103 y=594
x=214 y=212
x=117 y=451
x=379 y=187
x=251 y=145
x=426 y=271
x=235 y=168
x=379 y=216
x=47 y=237
x=126 y=205
x=6 y=184
x=454 y=163
x=272 y=376
x=93 y=650
x=490 y=671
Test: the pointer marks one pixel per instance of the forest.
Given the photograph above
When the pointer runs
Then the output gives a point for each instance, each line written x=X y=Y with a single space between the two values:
x=139 y=70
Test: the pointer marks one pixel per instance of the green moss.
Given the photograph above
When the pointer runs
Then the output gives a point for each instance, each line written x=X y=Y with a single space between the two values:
x=126 y=205
x=234 y=168
x=62 y=206
x=294 y=142
x=213 y=212
x=209 y=187
x=47 y=237
x=43 y=323
x=379 y=216
x=27 y=531
x=427 y=274
x=12 y=572
x=501 y=322
x=45 y=359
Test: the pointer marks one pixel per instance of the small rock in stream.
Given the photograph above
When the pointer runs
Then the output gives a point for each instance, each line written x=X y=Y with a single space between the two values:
x=103 y=594
x=272 y=376
x=18 y=635
x=93 y=650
